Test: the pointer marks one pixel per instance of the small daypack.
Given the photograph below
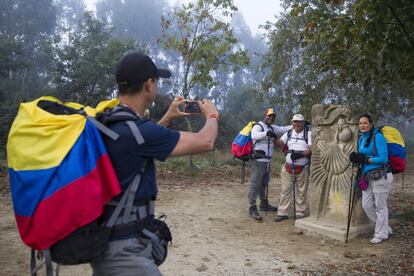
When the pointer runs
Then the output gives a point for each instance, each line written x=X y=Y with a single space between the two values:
x=396 y=148
x=60 y=187
x=242 y=145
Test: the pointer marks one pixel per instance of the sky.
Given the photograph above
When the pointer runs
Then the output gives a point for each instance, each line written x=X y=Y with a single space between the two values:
x=255 y=12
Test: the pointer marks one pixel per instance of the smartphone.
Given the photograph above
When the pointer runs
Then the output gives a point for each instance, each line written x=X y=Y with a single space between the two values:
x=192 y=107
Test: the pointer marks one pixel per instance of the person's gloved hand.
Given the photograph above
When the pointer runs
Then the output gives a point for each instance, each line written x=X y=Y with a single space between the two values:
x=358 y=158
x=271 y=134
x=353 y=157
x=296 y=155
x=361 y=158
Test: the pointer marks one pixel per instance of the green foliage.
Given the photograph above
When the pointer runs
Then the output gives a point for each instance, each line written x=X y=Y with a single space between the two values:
x=25 y=27
x=84 y=67
x=204 y=43
x=344 y=52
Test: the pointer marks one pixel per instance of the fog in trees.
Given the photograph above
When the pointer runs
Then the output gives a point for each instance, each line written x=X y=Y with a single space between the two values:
x=314 y=52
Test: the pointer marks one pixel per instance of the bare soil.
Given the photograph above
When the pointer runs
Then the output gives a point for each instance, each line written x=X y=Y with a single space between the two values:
x=213 y=235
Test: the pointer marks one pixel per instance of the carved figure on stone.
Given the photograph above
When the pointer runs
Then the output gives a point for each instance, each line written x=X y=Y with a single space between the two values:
x=334 y=140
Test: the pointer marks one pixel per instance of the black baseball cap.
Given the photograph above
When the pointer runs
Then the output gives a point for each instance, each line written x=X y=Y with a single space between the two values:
x=136 y=68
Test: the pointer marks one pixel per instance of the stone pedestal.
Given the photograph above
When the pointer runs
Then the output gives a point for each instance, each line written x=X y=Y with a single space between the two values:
x=332 y=230
x=334 y=137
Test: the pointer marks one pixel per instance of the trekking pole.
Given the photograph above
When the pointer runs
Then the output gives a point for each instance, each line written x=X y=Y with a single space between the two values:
x=267 y=176
x=402 y=186
x=350 y=203
x=294 y=190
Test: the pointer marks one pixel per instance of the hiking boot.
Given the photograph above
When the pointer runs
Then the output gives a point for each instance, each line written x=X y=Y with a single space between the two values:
x=253 y=213
x=266 y=207
x=280 y=218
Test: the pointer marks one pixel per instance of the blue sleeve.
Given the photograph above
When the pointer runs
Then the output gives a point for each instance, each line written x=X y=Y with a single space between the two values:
x=159 y=141
x=382 y=150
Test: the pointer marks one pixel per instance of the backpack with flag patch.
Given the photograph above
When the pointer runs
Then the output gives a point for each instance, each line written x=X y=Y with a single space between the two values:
x=396 y=148
x=242 y=145
x=60 y=186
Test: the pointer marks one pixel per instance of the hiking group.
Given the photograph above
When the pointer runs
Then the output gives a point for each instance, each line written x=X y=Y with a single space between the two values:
x=111 y=174
x=296 y=141
x=371 y=157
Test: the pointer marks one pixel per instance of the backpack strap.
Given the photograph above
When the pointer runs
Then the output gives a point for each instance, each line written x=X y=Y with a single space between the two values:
x=102 y=128
x=305 y=134
x=43 y=254
x=127 y=200
x=135 y=131
x=289 y=135
x=375 y=150
x=119 y=114
x=257 y=124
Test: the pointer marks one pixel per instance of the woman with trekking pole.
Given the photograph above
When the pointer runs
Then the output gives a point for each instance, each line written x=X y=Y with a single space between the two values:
x=376 y=178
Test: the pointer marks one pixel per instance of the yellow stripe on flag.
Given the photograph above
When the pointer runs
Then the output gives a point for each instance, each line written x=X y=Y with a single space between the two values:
x=41 y=140
x=246 y=130
x=392 y=135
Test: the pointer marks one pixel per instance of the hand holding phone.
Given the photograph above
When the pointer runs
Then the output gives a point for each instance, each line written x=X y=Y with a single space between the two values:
x=192 y=107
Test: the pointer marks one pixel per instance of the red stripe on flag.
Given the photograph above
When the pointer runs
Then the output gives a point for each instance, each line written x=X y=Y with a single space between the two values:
x=397 y=164
x=239 y=151
x=73 y=206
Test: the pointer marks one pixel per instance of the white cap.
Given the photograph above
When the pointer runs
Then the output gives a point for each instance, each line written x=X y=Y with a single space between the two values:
x=298 y=117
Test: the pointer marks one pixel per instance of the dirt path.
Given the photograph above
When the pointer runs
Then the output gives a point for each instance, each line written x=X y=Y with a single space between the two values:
x=212 y=235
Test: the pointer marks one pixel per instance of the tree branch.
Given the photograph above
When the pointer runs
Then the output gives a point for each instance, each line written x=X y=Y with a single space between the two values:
x=402 y=26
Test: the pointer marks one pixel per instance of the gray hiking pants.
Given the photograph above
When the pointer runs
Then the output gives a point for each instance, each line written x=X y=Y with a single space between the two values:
x=256 y=182
x=129 y=257
x=374 y=202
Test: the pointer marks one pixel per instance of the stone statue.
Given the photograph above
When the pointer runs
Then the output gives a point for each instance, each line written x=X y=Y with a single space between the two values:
x=334 y=137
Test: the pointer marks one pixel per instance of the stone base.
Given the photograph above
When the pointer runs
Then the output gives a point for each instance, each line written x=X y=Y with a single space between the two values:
x=331 y=230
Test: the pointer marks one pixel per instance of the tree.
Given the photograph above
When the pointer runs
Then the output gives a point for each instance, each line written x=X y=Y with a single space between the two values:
x=84 y=67
x=27 y=25
x=131 y=19
x=25 y=31
x=70 y=13
x=346 y=52
x=203 y=42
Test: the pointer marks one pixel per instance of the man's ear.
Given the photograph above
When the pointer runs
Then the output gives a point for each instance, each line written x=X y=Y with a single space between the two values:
x=148 y=84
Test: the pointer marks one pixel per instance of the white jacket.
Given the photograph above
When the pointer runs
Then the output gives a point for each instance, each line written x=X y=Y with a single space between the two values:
x=263 y=142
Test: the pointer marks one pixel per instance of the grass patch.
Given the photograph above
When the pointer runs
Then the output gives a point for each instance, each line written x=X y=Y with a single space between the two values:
x=211 y=163
x=405 y=217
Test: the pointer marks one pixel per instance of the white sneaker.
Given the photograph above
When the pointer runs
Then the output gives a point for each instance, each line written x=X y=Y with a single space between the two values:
x=389 y=231
x=376 y=240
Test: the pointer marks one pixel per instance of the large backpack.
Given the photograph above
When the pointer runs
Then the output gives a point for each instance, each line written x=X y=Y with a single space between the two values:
x=396 y=148
x=61 y=178
x=242 y=145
